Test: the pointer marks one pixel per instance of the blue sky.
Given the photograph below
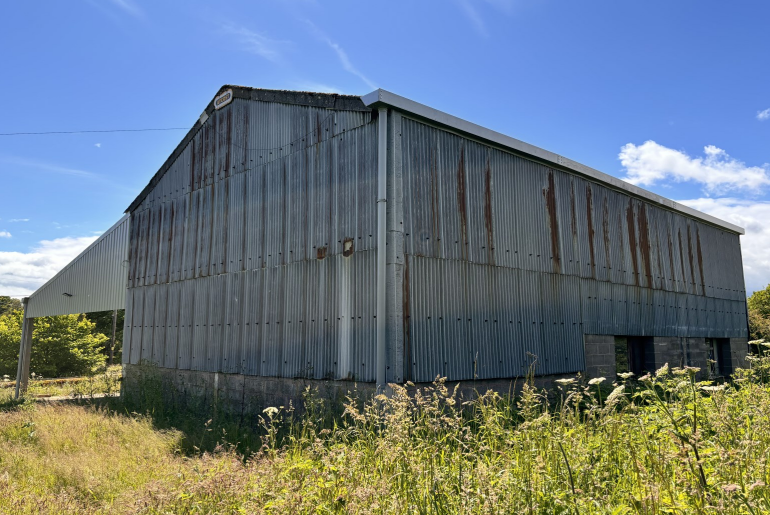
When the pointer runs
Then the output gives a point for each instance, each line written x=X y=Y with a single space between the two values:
x=670 y=95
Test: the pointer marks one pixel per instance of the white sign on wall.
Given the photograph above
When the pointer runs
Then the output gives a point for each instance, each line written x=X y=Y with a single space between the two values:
x=222 y=100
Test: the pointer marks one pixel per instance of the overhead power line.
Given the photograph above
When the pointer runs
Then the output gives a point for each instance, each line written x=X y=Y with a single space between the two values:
x=84 y=132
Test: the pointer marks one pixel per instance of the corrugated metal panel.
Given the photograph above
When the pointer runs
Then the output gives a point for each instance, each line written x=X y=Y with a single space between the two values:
x=96 y=279
x=477 y=218
x=242 y=241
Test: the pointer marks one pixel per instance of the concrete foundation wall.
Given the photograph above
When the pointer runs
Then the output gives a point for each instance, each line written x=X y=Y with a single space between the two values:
x=600 y=355
x=247 y=396
x=739 y=349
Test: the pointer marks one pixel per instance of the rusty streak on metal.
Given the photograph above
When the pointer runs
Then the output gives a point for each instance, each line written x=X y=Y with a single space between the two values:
x=435 y=236
x=681 y=258
x=632 y=239
x=573 y=212
x=229 y=141
x=700 y=261
x=644 y=245
x=690 y=257
x=591 y=232
x=320 y=253
x=553 y=221
x=488 y=213
x=606 y=235
x=671 y=260
x=461 y=204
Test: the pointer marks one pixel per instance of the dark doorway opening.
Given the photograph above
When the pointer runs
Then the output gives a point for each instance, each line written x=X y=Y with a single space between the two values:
x=719 y=360
x=634 y=354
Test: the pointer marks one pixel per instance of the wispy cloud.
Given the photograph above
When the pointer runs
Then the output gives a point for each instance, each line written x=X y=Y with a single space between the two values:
x=129 y=7
x=347 y=65
x=471 y=10
x=5 y=234
x=21 y=273
x=473 y=16
x=33 y=164
x=651 y=163
x=19 y=220
x=98 y=145
x=111 y=8
x=257 y=43
x=763 y=115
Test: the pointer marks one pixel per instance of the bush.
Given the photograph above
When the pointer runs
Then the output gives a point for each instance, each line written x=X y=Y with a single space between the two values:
x=63 y=345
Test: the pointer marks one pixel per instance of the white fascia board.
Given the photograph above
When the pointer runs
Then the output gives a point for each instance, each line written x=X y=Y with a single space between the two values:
x=381 y=96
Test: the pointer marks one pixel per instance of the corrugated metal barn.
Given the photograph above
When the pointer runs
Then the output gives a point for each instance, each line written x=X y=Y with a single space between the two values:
x=321 y=236
x=254 y=250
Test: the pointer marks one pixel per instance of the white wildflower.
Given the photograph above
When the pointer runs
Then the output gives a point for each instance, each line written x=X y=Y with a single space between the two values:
x=714 y=388
x=565 y=382
x=271 y=411
x=626 y=375
x=616 y=394
x=662 y=371
x=597 y=380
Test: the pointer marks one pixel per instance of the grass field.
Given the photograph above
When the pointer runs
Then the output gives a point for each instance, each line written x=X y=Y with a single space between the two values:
x=658 y=444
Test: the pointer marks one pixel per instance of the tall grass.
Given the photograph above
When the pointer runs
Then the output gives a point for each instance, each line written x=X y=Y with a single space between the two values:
x=662 y=443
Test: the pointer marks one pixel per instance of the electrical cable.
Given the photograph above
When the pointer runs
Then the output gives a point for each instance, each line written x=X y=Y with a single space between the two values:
x=84 y=132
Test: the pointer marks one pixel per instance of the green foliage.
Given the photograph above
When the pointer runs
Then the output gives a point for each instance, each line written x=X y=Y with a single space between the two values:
x=661 y=444
x=9 y=304
x=759 y=314
x=760 y=302
x=65 y=345
x=103 y=321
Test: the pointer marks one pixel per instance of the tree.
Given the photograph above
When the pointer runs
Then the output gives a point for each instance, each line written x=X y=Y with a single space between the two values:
x=759 y=314
x=9 y=304
x=103 y=321
x=65 y=345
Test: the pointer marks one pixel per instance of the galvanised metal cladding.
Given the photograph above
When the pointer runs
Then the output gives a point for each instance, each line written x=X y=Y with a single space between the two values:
x=253 y=252
x=509 y=262
x=96 y=279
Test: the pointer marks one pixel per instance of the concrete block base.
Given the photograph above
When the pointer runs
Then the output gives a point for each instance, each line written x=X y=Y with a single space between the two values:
x=245 y=397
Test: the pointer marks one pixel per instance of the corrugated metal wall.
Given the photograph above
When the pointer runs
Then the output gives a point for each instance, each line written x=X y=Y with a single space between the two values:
x=96 y=279
x=508 y=261
x=237 y=256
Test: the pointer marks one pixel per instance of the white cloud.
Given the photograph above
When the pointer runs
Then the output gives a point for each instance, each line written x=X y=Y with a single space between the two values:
x=256 y=43
x=21 y=273
x=651 y=163
x=19 y=220
x=98 y=145
x=5 y=234
x=347 y=65
x=753 y=217
x=763 y=115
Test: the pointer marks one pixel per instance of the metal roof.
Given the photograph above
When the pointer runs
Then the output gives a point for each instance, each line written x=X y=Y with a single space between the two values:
x=383 y=97
x=421 y=111
x=94 y=281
